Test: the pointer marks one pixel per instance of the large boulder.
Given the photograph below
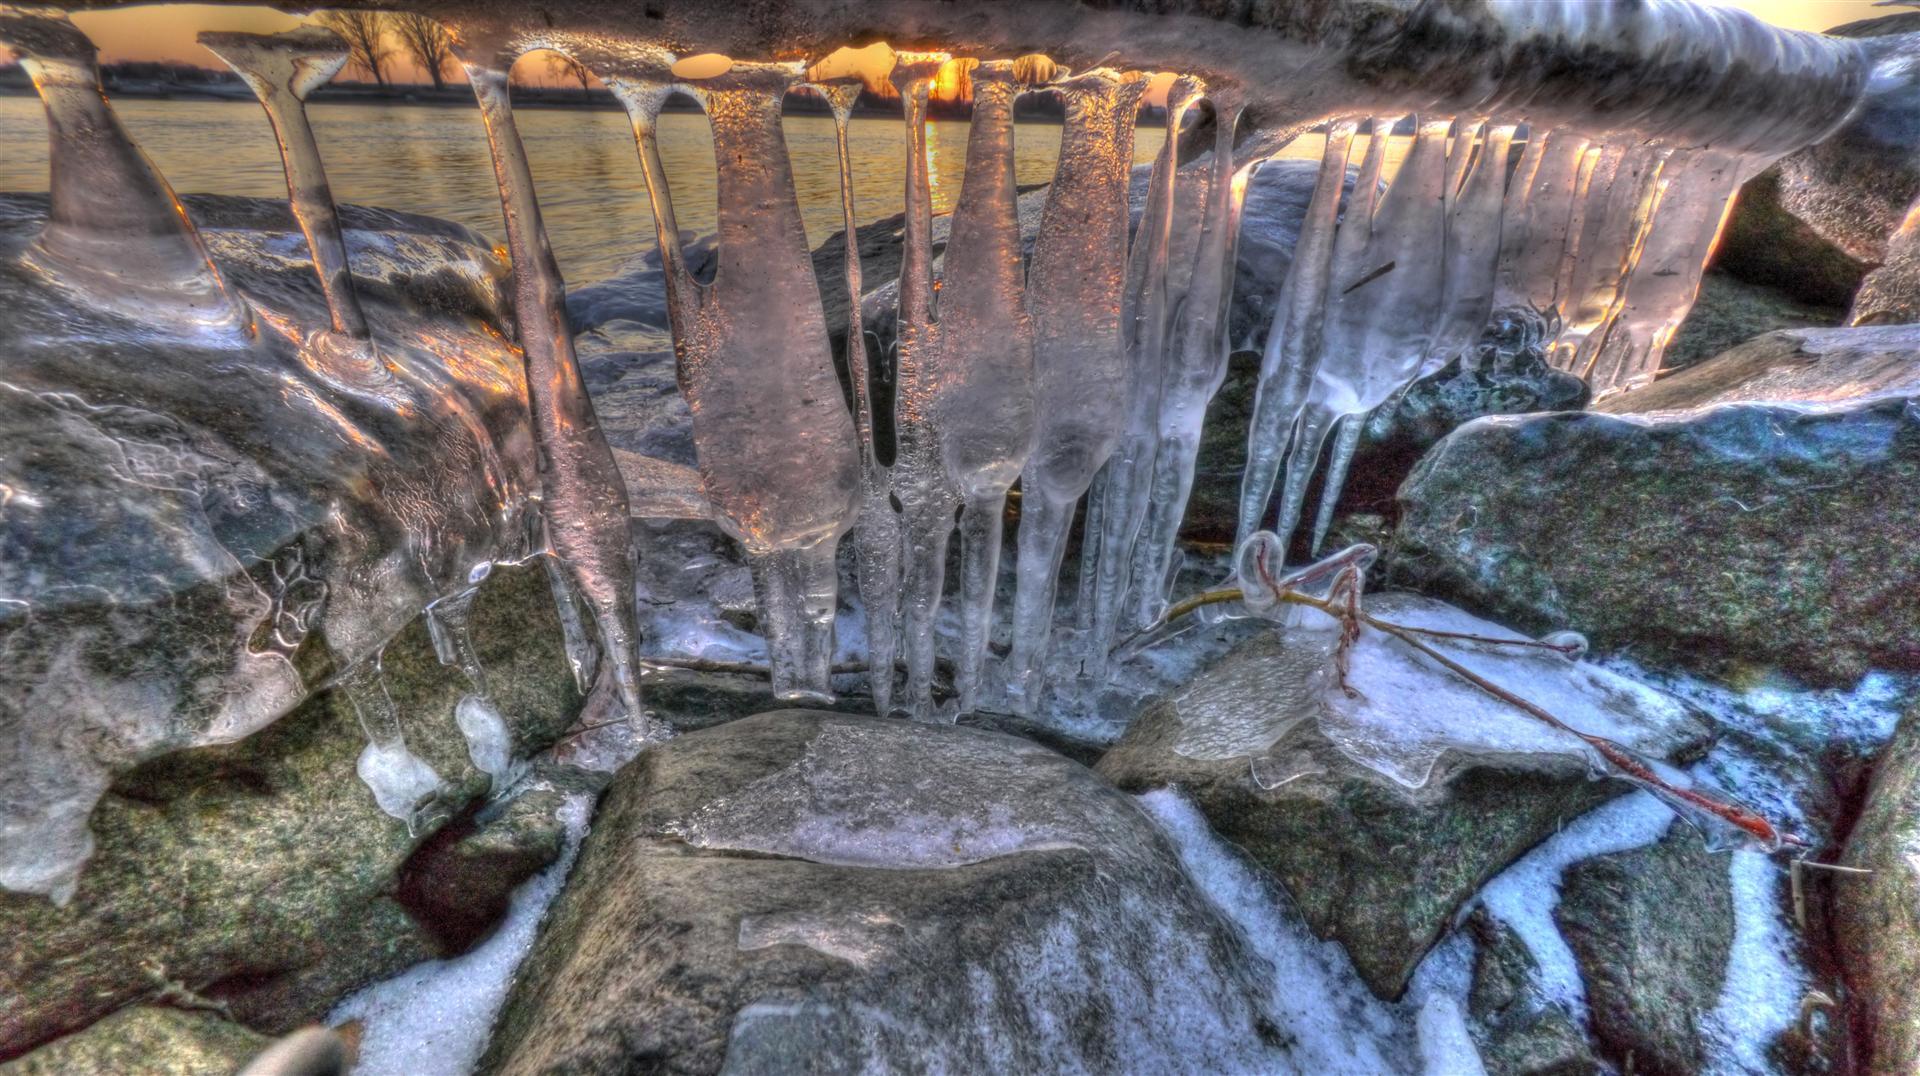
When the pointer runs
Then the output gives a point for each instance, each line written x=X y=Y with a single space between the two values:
x=1741 y=534
x=1651 y=930
x=1384 y=810
x=261 y=874
x=1877 y=915
x=801 y=886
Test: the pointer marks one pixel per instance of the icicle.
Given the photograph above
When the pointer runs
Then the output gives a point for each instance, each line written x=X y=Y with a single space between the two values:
x=1584 y=219
x=777 y=448
x=1459 y=157
x=489 y=742
x=282 y=70
x=1189 y=379
x=583 y=495
x=1601 y=279
x=927 y=499
x=1534 y=242
x=1473 y=253
x=398 y=779
x=876 y=533
x=1293 y=350
x=1379 y=324
x=114 y=228
x=1663 y=284
x=986 y=408
x=1077 y=281
x=1346 y=442
x=582 y=656
x=1127 y=480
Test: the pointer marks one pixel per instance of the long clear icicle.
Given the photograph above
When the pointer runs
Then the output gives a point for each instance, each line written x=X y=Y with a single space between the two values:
x=777 y=449
x=876 y=532
x=1127 y=480
x=927 y=499
x=1075 y=286
x=987 y=402
x=1192 y=375
x=1293 y=350
x=1533 y=242
x=1616 y=233
x=1662 y=286
x=583 y=495
x=1380 y=323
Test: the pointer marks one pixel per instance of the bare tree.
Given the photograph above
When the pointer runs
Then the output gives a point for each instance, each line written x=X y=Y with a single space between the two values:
x=560 y=65
x=366 y=36
x=426 y=41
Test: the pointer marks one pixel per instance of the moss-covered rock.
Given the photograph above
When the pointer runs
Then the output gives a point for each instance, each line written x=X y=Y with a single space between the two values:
x=149 y=1039
x=1877 y=916
x=1766 y=244
x=1743 y=534
x=1380 y=866
x=1730 y=311
x=1652 y=930
x=261 y=873
x=1517 y=1032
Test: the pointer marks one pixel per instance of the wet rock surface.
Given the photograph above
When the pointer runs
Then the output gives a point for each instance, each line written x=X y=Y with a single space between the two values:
x=1730 y=311
x=149 y=1039
x=1518 y=1033
x=261 y=874
x=798 y=885
x=1808 y=366
x=1877 y=916
x=1652 y=930
x=1750 y=533
x=1380 y=866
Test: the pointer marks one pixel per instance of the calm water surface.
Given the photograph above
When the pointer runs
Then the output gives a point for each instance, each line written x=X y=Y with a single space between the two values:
x=433 y=159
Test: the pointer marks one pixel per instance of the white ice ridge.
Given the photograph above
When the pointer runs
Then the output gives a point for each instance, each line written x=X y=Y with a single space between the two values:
x=434 y=1019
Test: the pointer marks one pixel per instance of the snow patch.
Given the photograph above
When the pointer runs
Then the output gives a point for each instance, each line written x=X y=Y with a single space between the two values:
x=434 y=1019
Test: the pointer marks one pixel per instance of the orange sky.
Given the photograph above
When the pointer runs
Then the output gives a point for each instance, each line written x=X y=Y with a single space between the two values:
x=166 y=32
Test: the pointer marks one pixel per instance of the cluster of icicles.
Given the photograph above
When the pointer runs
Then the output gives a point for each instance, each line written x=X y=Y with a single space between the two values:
x=1084 y=368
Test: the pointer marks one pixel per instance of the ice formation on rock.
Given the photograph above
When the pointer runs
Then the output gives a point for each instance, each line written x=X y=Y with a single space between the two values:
x=1589 y=189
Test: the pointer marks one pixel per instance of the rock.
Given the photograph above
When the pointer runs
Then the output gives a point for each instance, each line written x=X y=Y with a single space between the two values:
x=1372 y=855
x=147 y=1039
x=1511 y=377
x=1730 y=311
x=1877 y=916
x=1766 y=244
x=803 y=889
x=1517 y=1033
x=1808 y=366
x=1774 y=535
x=1651 y=930
x=1853 y=188
x=261 y=873
x=182 y=567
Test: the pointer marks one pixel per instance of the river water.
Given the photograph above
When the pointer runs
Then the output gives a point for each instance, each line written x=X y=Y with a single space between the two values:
x=433 y=159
